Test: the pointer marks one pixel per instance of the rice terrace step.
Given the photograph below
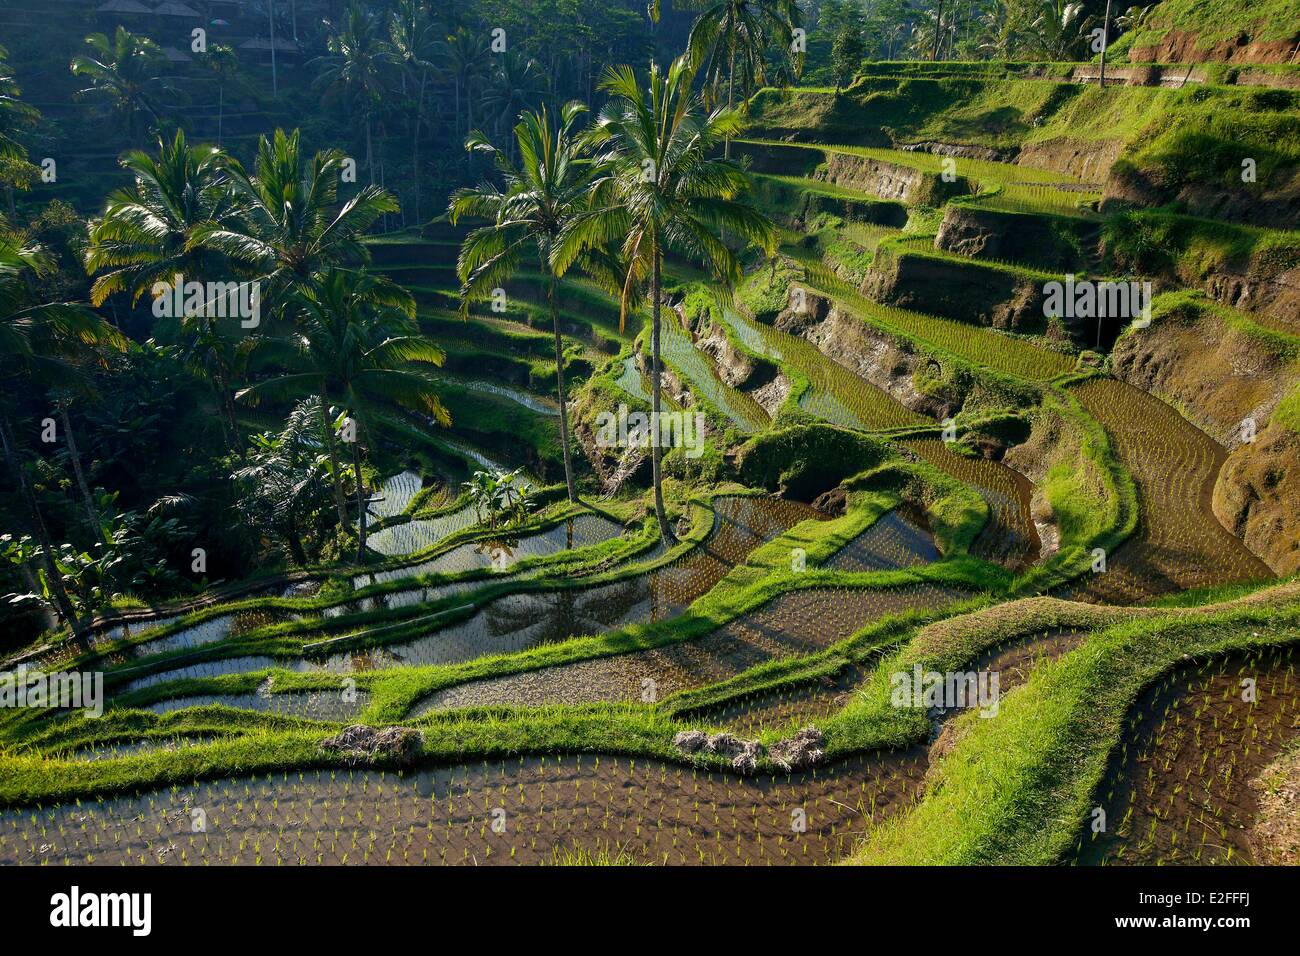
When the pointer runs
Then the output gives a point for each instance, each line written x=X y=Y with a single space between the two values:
x=748 y=433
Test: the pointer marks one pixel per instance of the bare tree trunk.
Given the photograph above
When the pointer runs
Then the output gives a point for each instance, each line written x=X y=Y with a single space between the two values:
x=362 y=518
x=1105 y=42
x=327 y=432
x=938 y=32
x=87 y=499
x=370 y=153
x=415 y=145
x=560 y=391
x=37 y=522
x=656 y=453
x=731 y=90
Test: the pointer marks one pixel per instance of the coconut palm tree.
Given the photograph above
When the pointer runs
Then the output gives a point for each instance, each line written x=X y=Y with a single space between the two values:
x=352 y=72
x=464 y=59
x=40 y=344
x=356 y=348
x=223 y=63
x=526 y=216
x=659 y=190
x=414 y=45
x=127 y=71
x=285 y=480
x=1058 y=30
x=147 y=236
x=737 y=38
x=516 y=82
x=15 y=115
x=291 y=228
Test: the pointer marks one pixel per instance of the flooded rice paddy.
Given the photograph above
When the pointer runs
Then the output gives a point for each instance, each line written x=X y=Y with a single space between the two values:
x=1179 y=789
x=1010 y=535
x=835 y=394
x=334 y=705
x=579 y=531
x=899 y=539
x=1179 y=543
x=680 y=353
x=517 y=621
x=522 y=811
x=794 y=624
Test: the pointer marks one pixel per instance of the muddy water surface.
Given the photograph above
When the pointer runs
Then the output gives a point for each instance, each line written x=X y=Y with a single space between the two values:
x=794 y=624
x=1179 y=790
x=532 y=810
x=518 y=621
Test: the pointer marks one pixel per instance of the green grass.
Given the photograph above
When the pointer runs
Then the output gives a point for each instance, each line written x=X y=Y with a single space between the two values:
x=1017 y=788
x=971 y=343
x=1287 y=412
x=1221 y=20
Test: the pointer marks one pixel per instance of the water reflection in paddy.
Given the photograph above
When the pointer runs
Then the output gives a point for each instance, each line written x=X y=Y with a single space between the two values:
x=794 y=624
x=517 y=621
x=896 y=540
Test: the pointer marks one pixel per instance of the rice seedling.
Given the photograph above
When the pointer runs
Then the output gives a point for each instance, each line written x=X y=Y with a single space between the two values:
x=1178 y=788
x=794 y=624
x=538 y=810
x=699 y=375
x=834 y=394
x=974 y=343
x=1010 y=534
x=1179 y=542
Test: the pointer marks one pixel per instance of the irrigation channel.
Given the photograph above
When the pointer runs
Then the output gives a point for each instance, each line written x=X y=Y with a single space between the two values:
x=1185 y=787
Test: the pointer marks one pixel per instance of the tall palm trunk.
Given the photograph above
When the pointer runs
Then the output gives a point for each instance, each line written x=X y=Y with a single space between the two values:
x=1105 y=35
x=370 y=152
x=87 y=499
x=731 y=92
x=561 y=394
x=415 y=144
x=938 y=33
x=362 y=522
x=656 y=433
x=37 y=523
x=327 y=433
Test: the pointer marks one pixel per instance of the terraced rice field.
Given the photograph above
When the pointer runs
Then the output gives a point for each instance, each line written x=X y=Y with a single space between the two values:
x=1015 y=660
x=533 y=810
x=517 y=621
x=696 y=368
x=1179 y=789
x=896 y=540
x=788 y=708
x=1032 y=188
x=534 y=403
x=1179 y=542
x=332 y=705
x=835 y=394
x=395 y=494
x=974 y=343
x=505 y=550
x=419 y=534
x=1010 y=534
x=632 y=381
x=795 y=624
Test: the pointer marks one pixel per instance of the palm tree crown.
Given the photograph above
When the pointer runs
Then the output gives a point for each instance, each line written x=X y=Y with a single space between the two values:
x=526 y=215
x=661 y=190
